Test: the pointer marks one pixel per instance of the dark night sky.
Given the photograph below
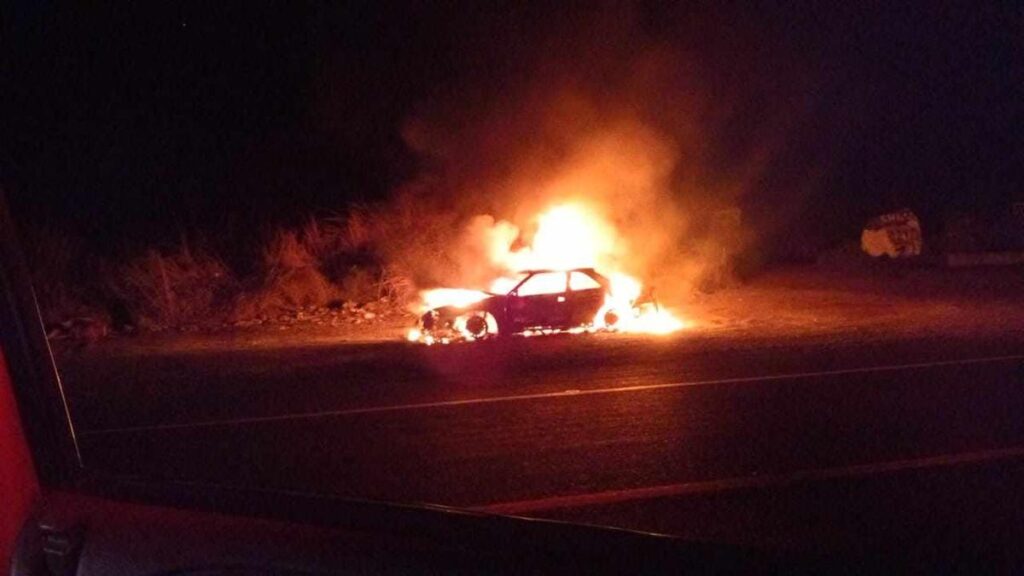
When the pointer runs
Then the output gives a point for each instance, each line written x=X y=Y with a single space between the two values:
x=149 y=118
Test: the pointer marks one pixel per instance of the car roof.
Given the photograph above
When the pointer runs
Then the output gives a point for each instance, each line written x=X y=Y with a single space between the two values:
x=545 y=270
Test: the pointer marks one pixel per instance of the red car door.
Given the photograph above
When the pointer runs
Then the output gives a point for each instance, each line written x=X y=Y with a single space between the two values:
x=540 y=301
x=585 y=298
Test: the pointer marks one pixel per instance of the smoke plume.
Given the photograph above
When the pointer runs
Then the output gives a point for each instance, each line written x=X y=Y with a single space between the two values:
x=635 y=120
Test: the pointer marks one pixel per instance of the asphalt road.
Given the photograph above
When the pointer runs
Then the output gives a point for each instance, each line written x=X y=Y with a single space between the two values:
x=847 y=442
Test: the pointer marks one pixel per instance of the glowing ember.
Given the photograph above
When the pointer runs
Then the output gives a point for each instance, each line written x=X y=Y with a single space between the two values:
x=568 y=236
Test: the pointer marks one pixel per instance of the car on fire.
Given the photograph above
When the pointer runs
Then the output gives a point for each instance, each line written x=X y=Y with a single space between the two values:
x=540 y=301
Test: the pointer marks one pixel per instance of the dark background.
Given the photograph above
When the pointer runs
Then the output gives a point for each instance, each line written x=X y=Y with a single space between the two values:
x=134 y=123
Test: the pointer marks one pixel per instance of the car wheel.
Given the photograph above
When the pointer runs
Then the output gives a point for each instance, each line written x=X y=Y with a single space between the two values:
x=611 y=318
x=477 y=326
x=480 y=325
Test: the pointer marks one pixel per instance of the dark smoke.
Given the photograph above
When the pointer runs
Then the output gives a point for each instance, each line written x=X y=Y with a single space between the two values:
x=669 y=129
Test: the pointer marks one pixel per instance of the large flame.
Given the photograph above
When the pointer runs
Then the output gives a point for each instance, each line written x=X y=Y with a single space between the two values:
x=568 y=235
x=458 y=297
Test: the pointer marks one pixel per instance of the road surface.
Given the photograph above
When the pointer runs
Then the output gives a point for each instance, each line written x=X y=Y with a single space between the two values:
x=846 y=442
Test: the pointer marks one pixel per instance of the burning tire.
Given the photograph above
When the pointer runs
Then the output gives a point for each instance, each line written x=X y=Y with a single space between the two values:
x=429 y=320
x=611 y=319
x=478 y=325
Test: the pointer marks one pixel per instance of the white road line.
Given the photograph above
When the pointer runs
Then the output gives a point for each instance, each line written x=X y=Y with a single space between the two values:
x=542 y=395
x=748 y=482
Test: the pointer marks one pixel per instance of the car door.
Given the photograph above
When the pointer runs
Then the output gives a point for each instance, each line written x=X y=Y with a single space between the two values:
x=540 y=301
x=584 y=299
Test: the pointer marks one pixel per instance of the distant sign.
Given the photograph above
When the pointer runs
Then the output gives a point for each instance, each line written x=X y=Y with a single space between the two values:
x=896 y=234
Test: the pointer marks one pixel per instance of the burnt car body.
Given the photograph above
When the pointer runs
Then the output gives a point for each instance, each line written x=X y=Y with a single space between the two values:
x=541 y=300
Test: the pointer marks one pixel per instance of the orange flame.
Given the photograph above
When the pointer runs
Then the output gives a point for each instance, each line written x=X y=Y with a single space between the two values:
x=457 y=297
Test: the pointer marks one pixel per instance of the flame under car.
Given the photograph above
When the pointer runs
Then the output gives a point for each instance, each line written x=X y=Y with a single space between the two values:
x=539 y=301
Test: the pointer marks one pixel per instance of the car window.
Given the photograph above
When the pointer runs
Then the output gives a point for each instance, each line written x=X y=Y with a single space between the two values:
x=581 y=281
x=543 y=283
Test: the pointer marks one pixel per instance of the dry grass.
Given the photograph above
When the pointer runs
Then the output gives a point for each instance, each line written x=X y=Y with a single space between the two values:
x=370 y=253
x=414 y=239
x=286 y=251
x=383 y=251
x=396 y=284
x=339 y=242
x=289 y=279
x=284 y=291
x=173 y=288
x=350 y=233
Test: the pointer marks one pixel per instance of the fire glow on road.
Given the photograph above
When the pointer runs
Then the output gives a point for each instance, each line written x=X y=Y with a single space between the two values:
x=573 y=392
x=748 y=482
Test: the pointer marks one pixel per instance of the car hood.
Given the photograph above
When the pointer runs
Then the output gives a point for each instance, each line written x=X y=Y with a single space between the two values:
x=452 y=311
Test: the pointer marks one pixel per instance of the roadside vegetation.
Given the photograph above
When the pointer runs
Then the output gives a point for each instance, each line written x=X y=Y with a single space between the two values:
x=355 y=267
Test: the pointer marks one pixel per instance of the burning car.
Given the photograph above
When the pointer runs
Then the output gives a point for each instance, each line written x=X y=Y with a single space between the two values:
x=560 y=289
x=536 y=301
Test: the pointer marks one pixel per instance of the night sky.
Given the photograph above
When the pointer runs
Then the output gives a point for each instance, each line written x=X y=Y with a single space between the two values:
x=147 y=119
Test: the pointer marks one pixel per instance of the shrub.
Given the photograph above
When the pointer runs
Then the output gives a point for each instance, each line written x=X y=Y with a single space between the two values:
x=286 y=251
x=367 y=253
x=340 y=242
x=414 y=239
x=373 y=252
x=361 y=284
x=290 y=279
x=172 y=288
x=396 y=284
